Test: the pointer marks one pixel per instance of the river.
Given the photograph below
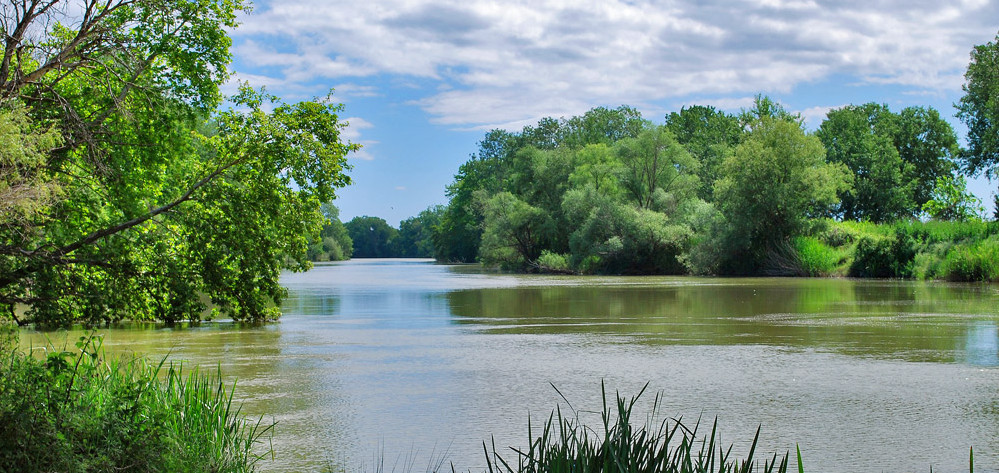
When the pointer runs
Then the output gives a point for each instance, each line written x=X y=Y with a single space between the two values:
x=406 y=362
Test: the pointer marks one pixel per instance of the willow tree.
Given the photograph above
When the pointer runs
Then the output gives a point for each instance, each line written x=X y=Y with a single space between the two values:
x=147 y=199
x=772 y=183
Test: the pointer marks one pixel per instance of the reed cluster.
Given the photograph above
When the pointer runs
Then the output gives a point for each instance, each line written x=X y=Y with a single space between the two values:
x=79 y=411
x=566 y=445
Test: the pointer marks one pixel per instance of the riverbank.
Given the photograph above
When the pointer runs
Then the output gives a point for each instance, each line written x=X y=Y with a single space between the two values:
x=910 y=249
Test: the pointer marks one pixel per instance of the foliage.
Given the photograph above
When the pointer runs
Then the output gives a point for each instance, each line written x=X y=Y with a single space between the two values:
x=852 y=135
x=458 y=236
x=977 y=261
x=657 y=173
x=774 y=180
x=979 y=109
x=566 y=444
x=511 y=231
x=27 y=190
x=550 y=262
x=154 y=198
x=706 y=193
x=372 y=237
x=816 y=258
x=928 y=146
x=766 y=109
x=708 y=135
x=884 y=257
x=334 y=242
x=896 y=158
x=78 y=411
x=601 y=126
x=416 y=234
x=950 y=200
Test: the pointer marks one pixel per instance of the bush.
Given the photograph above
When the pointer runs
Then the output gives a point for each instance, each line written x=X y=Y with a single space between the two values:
x=76 y=411
x=884 y=257
x=973 y=262
x=550 y=262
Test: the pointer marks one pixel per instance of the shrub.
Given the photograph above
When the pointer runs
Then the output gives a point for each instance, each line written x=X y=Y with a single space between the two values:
x=978 y=261
x=884 y=257
x=550 y=262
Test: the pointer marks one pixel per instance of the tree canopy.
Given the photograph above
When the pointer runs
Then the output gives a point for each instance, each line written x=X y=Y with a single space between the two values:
x=130 y=192
x=979 y=109
x=706 y=192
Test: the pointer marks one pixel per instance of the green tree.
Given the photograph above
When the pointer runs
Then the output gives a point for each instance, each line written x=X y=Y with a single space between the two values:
x=772 y=183
x=163 y=199
x=510 y=238
x=765 y=107
x=952 y=201
x=601 y=126
x=709 y=136
x=416 y=234
x=657 y=173
x=928 y=145
x=896 y=158
x=979 y=109
x=596 y=165
x=373 y=237
x=457 y=237
x=855 y=136
x=334 y=242
x=27 y=189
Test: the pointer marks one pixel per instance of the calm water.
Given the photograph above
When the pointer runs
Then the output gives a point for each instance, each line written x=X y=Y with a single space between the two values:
x=406 y=360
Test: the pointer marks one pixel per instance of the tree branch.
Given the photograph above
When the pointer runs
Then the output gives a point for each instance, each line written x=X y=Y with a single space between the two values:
x=43 y=258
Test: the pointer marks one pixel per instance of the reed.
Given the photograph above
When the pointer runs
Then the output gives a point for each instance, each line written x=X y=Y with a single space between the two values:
x=77 y=411
x=566 y=445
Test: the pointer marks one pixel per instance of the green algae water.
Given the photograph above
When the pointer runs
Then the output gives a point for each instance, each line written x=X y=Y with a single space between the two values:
x=399 y=363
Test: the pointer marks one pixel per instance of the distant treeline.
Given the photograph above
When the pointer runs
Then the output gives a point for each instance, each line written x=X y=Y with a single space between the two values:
x=871 y=193
x=707 y=192
x=373 y=237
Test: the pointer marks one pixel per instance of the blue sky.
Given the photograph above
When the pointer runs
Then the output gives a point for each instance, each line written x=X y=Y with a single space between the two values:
x=422 y=81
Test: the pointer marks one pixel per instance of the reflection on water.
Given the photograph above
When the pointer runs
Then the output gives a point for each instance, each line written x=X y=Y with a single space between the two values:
x=982 y=348
x=918 y=322
x=401 y=358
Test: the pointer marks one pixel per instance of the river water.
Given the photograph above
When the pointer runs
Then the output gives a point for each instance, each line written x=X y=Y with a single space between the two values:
x=395 y=364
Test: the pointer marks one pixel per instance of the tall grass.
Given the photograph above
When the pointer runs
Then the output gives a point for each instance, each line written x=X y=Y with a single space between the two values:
x=566 y=445
x=956 y=251
x=77 y=411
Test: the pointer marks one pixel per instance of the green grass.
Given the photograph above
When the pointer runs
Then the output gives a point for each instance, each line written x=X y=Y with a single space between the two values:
x=77 y=411
x=955 y=251
x=566 y=445
x=817 y=258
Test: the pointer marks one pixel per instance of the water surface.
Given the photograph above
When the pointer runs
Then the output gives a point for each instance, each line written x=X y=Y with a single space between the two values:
x=405 y=360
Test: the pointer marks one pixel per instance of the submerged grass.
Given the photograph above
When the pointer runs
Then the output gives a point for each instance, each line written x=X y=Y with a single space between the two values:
x=566 y=445
x=77 y=411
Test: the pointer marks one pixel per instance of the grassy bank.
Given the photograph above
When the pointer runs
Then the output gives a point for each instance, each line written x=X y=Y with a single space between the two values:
x=78 y=411
x=953 y=251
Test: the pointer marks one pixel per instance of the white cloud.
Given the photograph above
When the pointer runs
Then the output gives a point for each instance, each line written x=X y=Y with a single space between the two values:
x=497 y=64
x=352 y=134
x=814 y=116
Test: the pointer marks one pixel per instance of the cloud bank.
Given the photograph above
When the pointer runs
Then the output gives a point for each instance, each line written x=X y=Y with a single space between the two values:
x=501 y=63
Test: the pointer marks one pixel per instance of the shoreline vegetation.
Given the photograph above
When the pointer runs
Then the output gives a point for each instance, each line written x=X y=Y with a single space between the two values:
x=78 y=410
